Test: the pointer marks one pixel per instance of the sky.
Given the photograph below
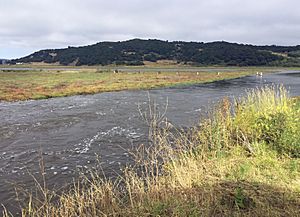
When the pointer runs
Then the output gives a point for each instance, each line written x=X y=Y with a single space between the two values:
x=27 y=26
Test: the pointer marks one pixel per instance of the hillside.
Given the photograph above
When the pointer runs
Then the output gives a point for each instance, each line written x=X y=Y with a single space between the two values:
x=137 y=51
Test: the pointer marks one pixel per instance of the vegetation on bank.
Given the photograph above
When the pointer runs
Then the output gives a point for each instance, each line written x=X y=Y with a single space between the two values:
x=137 y=51
x=242 y=160
x=43 y=84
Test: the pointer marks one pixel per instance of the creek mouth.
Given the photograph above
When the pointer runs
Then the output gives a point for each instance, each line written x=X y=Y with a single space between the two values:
x=83 y=132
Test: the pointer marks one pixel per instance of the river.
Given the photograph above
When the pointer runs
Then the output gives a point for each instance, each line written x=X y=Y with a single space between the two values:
x=82 y=132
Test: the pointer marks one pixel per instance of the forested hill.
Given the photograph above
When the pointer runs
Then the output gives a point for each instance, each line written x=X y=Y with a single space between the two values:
x=137 y=52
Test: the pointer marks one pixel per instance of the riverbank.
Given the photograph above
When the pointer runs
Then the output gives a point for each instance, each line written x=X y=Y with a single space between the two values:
x=244 y=163
x=45 y=83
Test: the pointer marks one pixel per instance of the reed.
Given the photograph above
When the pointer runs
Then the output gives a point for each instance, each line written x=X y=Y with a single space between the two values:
x=237 y=162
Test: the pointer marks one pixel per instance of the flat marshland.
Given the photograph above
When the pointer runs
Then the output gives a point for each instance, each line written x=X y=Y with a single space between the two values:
x=242 y=160
x=47 y=83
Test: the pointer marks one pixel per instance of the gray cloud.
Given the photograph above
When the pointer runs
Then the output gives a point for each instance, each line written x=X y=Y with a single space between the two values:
x=27 y=26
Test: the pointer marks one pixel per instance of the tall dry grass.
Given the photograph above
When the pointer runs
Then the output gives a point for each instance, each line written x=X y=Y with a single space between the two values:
x=241 y=161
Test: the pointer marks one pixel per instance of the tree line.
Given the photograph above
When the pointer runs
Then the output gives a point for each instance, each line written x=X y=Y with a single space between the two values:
x=137 y=51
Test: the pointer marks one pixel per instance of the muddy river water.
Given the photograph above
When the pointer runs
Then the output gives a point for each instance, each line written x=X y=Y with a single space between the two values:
x=80 y=132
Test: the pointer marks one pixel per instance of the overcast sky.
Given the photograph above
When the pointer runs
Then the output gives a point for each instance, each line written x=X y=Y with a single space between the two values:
x=30 y=25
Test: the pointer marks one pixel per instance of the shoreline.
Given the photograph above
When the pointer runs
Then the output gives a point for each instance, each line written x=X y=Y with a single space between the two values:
x=124 y=82
x=215 y=173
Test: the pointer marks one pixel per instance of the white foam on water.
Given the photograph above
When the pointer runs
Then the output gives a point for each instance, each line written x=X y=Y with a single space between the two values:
x=101 y=113
x=84 y=146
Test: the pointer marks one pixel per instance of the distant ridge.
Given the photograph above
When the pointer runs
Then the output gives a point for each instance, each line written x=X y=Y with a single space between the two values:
x=138 y=52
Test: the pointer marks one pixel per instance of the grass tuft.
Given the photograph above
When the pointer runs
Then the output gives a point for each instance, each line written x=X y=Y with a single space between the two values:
x=243 y=160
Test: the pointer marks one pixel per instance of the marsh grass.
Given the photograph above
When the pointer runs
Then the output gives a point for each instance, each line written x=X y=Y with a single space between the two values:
x=264 y=115
x=24 y=85
x=237 y=162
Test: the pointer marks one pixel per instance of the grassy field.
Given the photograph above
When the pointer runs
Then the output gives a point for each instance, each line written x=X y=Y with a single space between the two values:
x=45 y=83
x=243 y=160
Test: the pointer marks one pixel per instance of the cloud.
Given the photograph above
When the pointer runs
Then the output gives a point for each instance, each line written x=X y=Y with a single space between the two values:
x=27 y=26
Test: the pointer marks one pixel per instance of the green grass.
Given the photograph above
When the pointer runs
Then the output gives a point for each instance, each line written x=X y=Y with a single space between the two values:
x=237 y=162
x=42 y=84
